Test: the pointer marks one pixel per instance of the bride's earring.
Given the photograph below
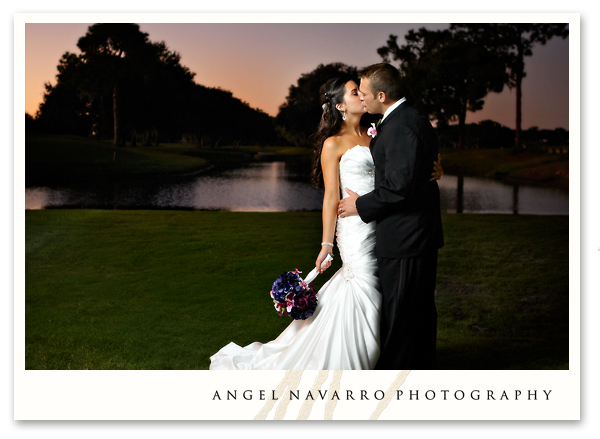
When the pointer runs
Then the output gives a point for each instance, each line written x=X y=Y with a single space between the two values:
x=344 y=115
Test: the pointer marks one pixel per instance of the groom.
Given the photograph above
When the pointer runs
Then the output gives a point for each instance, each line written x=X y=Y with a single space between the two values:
x=406 y=206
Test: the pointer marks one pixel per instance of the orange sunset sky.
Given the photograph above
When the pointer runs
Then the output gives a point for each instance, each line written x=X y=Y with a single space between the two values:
x=258 y=62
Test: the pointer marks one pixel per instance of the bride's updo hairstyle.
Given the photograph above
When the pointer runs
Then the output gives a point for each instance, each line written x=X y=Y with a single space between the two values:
x=331 y=94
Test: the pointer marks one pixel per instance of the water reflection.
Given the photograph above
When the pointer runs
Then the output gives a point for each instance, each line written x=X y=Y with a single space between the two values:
x=279 y=186
x=259 y=187
x=477 y=195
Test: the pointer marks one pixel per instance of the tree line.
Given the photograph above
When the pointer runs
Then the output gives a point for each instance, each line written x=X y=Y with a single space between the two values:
x=446 y=73
x=125 y=87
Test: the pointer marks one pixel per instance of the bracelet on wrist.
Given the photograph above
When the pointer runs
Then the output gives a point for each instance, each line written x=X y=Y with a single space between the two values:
x=327 y=243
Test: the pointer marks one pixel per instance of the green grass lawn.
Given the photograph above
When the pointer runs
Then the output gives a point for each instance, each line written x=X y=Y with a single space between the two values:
x=167 y=289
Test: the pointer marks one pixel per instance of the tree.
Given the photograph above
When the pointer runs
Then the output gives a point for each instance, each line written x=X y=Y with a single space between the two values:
x=159 y=100
x=299 y=116
x=122 y=84
x=446 y=73
x=112 y=54
x=63 y=109
x=215 y=117
x=515 y=41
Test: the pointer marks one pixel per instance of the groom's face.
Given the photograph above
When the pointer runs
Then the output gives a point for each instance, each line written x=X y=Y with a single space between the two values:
x=368 y=99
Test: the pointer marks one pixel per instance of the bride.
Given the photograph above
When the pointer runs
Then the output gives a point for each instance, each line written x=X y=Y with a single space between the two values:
x=343 y=332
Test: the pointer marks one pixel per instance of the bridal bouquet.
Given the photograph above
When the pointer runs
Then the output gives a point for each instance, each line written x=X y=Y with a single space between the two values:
x=294 y=296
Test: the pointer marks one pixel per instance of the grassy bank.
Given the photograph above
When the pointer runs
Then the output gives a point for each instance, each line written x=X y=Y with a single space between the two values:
x=63 y=159
x=166 y=289
x=234 y=155
x=50 y=159
x=550 y=170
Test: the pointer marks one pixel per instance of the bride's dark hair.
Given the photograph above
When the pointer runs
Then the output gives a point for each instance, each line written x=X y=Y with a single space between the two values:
x=331 y=94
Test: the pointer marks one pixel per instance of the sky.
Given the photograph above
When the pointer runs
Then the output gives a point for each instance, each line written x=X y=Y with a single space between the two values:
x=258 y=62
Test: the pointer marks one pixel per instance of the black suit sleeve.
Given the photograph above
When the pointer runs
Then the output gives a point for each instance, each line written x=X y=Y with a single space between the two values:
x=400 y=148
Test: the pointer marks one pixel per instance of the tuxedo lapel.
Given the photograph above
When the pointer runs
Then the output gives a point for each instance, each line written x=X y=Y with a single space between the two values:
x=394 y=113
x=381 y=126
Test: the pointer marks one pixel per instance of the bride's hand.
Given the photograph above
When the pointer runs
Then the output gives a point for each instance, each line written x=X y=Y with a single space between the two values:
x=438 y=171
x=325 y=250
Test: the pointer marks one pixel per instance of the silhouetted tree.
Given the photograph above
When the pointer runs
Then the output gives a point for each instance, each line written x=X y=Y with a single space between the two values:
x=63 y=109
x=31 y=125
x=112 y=55
x=216 y=117
x=299 y=116
x=489 y=134
x=534 y=137
x=484 y=134
x=162 y=96
x=124 y=85
x=446 y=73
x=515 y=41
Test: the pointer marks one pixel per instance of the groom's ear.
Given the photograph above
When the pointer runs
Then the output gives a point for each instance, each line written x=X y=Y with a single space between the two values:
x=381 y=97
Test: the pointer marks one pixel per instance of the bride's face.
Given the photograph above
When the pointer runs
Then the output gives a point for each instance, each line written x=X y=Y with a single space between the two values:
x=352 y=99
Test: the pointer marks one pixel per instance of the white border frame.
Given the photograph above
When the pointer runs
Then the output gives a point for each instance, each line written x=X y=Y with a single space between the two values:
x=187 y=395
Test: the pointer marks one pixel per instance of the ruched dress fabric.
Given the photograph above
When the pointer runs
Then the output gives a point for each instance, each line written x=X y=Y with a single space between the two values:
x=343 y=333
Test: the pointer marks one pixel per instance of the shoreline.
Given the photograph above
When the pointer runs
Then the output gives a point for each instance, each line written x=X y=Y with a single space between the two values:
x=549 y=171
x=55 y=160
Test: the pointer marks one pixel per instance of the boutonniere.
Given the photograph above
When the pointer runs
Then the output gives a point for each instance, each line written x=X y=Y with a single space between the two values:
x=372 y=131
x=378 y=123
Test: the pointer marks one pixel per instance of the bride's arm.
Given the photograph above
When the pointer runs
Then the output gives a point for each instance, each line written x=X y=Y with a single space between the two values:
x=438 y=171
x=330 y=159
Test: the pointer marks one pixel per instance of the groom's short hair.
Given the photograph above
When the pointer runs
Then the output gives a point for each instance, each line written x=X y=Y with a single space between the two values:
x=383 y=77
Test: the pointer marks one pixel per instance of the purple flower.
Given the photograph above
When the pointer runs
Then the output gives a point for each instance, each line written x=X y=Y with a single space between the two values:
x=292 y=296
x=302 y=302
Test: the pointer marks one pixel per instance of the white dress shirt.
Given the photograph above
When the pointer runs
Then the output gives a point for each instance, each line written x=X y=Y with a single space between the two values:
x=392 y=108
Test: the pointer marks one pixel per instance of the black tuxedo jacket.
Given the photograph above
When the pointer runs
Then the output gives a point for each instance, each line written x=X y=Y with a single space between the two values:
x=404 y=203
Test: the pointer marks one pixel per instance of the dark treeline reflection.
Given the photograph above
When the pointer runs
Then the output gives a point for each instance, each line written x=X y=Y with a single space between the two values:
x=461 y=194
x=460 y=189
x=280 y=186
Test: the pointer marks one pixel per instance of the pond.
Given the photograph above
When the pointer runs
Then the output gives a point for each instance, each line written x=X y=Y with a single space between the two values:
x=279 y=186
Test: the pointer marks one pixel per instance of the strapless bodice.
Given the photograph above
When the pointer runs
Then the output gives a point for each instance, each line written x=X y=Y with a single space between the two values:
x=357 y=171
x=355 y=239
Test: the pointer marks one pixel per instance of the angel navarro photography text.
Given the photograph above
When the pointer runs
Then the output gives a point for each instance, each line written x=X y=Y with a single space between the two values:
x=401 y=395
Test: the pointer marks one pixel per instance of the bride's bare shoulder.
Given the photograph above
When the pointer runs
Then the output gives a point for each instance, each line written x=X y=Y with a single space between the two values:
x=333 y=146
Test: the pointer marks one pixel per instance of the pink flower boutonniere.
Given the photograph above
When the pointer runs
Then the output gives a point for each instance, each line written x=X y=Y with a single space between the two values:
x=372 y=131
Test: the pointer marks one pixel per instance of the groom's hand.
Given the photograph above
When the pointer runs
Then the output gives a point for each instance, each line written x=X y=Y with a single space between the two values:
x=347 y=206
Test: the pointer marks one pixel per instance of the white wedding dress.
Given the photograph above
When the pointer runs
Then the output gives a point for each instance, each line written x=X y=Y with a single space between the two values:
x=343 y=333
